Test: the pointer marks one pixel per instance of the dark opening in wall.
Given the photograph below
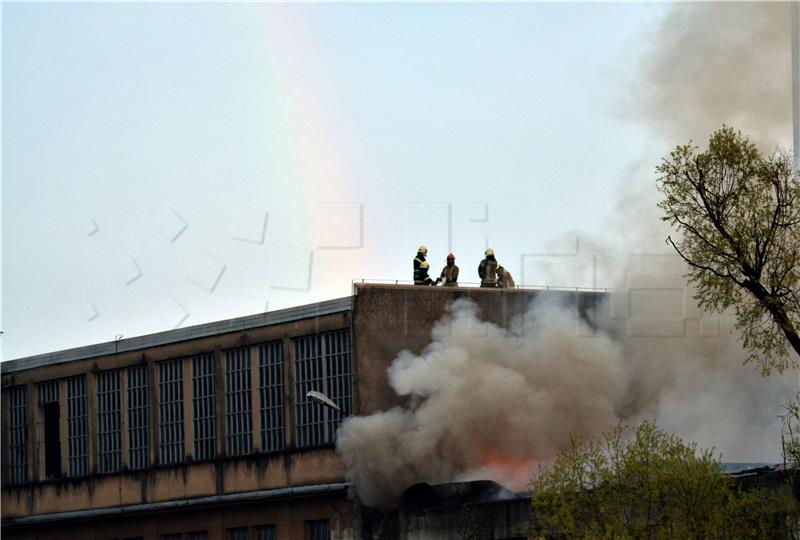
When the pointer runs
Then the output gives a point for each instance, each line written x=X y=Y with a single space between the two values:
x=52 y=439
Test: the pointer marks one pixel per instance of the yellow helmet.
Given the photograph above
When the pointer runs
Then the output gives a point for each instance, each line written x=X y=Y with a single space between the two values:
x=423 y=249
x=489 y=251
x=425 y=265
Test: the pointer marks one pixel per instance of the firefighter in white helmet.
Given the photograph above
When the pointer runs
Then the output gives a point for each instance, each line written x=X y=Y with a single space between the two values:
x=488 y=269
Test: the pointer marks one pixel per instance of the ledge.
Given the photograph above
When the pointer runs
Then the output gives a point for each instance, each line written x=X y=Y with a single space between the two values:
x=197 y=502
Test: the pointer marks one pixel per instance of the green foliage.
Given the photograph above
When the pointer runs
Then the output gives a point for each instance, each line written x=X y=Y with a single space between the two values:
x=651 y=486
x=758 y=514
x=738 y=216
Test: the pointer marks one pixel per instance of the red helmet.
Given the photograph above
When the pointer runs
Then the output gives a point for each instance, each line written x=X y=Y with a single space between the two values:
x=451 y=257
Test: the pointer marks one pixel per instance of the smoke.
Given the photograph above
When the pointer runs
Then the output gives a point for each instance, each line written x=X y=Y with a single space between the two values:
x=711 y=63
x=488 y=402
x=484 y=397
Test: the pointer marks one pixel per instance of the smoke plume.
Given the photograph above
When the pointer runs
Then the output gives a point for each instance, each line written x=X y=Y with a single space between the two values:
x=488 y=402
x=711 y=63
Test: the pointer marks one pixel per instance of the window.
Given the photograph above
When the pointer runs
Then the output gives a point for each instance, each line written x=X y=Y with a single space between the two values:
x=109 y=422
x=270 y=368
x=238 y=403
x=204 y=406
x=49 y=395
x=197 y=535
x=318 y=530
x=239 y=533
x=171 y=408
x=18 y=434
x=172 y=536
x=138 y=418
x=77 y=430
x=322 y=364
x=266 y=532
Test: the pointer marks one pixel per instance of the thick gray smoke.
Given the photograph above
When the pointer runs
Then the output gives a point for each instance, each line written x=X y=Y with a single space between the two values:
x=487 y=402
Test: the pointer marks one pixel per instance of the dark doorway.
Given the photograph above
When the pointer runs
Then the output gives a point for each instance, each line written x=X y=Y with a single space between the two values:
x=52 y=439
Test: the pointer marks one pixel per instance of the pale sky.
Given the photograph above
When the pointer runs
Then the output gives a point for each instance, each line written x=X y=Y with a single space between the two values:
x=167 y=165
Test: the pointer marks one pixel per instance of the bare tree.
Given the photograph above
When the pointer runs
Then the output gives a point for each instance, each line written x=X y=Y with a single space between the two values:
x=738 y=215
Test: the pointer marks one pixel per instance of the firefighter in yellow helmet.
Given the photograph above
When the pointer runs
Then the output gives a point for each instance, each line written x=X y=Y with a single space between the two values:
x=488 y=269
x=422 y=251
x=423 y=277
x=450 y=272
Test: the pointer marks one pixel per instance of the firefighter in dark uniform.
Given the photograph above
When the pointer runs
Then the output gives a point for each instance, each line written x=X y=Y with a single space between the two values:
x=450 y=272
x=418 y=260
x=488 y=269
x=423 y=277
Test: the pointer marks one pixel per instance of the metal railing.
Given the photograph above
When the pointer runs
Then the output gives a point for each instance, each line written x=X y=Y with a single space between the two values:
x=477 y=285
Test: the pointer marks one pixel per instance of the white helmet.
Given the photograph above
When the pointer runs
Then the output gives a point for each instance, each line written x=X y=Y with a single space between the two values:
x=489 y=251
x=425 y=265
x=423 y=249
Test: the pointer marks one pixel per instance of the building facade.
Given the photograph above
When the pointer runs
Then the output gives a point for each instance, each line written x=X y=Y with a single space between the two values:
x=206 y=431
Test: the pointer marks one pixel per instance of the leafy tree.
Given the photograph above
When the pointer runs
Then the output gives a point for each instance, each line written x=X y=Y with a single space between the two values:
x=738 y=215
x=652 y=485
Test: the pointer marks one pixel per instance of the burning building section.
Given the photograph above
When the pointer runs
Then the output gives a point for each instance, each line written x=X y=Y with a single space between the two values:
x=441 y=405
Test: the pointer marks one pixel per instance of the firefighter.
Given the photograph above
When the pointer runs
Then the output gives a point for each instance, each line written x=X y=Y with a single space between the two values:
x=504 y=279
x=450 y=272
x=424 y=278
x=418 y=260
x=488 y=269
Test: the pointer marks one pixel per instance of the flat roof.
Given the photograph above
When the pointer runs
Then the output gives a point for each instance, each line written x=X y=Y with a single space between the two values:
x=269 y=318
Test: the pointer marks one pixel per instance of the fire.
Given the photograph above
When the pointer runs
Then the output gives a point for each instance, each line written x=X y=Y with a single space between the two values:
x=507 y=470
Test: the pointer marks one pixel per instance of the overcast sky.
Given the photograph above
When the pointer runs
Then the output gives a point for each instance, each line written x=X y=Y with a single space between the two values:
x=170 y=165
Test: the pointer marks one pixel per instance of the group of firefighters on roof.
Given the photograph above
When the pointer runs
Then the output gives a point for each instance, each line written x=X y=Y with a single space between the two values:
x=492 y=274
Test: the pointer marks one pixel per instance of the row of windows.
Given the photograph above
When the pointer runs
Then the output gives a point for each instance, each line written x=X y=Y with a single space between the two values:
x=322 y=363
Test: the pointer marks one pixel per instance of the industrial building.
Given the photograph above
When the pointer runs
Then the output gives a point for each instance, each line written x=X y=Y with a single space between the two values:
x=206 y=431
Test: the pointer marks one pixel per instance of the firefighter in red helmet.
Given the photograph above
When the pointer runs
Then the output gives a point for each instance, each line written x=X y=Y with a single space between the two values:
x=450 y=272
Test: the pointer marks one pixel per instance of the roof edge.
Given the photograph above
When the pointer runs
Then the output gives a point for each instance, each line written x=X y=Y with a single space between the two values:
x=247 y=322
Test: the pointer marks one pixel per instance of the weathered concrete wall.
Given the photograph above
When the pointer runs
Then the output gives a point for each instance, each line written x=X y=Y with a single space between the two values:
x=390 y=318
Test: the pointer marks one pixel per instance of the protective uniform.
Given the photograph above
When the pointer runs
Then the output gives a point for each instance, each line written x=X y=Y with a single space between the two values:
x=488 y=269
x=504 y=279
x=450 y=272
x=418 y=260
x=424 y=278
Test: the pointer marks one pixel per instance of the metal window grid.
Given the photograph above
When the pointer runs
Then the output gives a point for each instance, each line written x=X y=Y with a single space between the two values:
x=239 y=533
x=18 y=434
x=238 y=403
x=77 y=427
x=172 y=536
x=319 y=530
x=340 y=377
x=266 y=532
x=322 y=364
x=109 y=422
x=204 y=406
x=48 y=392
x=197 y=535
x=171 y=408
x=138 y=418
x=270 y=367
